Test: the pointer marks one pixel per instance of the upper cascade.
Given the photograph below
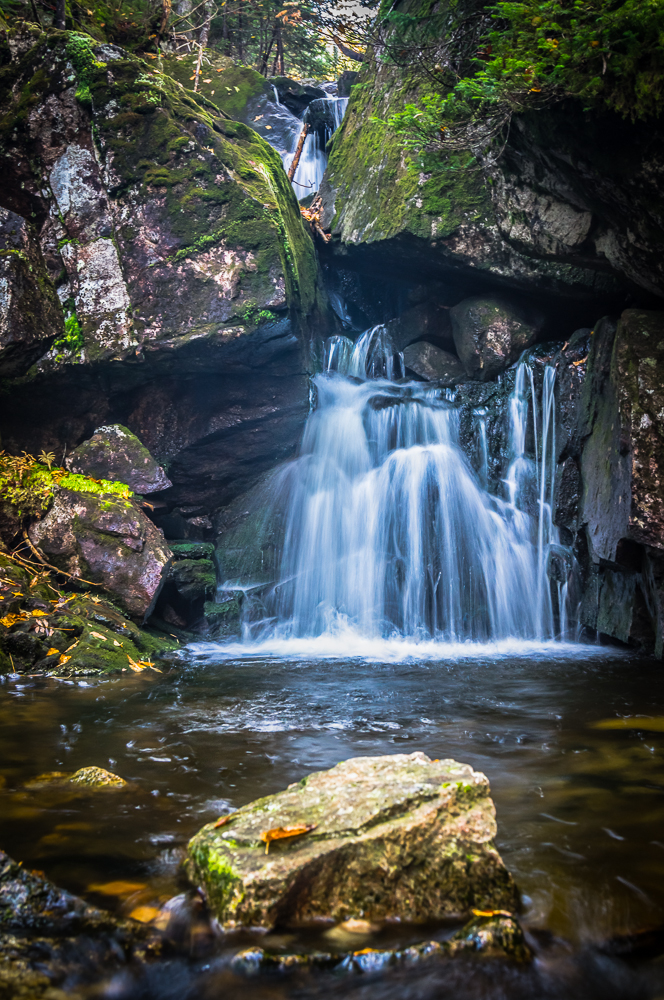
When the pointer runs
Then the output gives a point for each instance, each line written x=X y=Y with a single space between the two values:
x=391 y=532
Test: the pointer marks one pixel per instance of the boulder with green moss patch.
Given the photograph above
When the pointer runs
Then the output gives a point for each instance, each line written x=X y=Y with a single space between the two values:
x=105 y=539
x=400 y=837
x=116 y=454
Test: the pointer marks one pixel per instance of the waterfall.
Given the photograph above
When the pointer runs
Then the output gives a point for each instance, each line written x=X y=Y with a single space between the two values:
x=313 y=160
x=389 y=530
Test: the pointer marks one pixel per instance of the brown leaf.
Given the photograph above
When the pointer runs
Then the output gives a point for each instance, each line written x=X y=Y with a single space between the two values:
x=282 y=832
x=98 y=635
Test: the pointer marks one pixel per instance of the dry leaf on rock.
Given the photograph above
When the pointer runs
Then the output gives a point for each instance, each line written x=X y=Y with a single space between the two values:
x=282 y=832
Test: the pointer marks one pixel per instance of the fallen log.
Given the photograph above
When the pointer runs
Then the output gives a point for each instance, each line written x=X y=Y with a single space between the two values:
x=298 y=151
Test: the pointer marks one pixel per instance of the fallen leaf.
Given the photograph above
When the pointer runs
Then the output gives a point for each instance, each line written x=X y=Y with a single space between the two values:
x=50 y=652
x=116 y=643
x=268 y=126
x=134 y=665
x=491 y=913
x=223 y=821
x=207 y=81
x=98 y=635
x=144 y=914
x=282 y=832
x=39 y=614
x=118 y=888
x=581 y=362
x=63 y=659
x=73 y=646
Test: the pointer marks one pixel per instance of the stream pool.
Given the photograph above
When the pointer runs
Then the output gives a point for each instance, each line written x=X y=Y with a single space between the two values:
x=580 y=809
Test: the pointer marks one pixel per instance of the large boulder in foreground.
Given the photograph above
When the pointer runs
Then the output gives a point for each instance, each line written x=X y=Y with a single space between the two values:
x=116 y=454
x=106 y=539
x=399 y=836
x=489 y=334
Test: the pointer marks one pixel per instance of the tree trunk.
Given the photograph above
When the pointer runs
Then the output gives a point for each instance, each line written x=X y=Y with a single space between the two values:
x=166 y=8
x=202 y=42
x=266 y=54
x=298 y=151
x=59 y=19
x=280 y=50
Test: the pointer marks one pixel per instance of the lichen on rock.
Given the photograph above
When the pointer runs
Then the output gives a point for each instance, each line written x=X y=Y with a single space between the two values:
x=376 y=837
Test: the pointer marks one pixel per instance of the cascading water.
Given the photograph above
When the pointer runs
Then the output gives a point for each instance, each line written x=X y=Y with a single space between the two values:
x=391 y=533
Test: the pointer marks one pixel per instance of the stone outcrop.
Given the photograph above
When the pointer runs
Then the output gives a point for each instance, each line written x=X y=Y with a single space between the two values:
x=376 y=837
x=115 y=454
x=489 y=335
x=176 y=247
x=570 y=208
x=30 y=312
x=433 y=364
x=105 y=539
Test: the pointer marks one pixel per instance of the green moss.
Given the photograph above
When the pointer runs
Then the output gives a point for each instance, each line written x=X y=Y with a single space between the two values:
x=409 y=199
x=230 y=86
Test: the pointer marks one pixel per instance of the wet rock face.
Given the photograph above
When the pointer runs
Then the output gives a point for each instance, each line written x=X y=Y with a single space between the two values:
x=114 y=453
x=176 y=244
x=434 y=365
x=48 y=936
x=107 y=540
x=571 y=207
x=398 y=836
x=489 y=335
x=30 y=313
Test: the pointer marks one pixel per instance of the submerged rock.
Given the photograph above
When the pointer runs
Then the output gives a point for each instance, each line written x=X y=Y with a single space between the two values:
x=97 y=777
x=398 y=836
x=116 y=454
x=109 y=540
x=433 y=364
x=489 y=335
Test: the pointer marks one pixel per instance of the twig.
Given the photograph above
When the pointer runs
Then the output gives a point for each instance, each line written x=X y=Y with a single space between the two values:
x=25 y=562
x=298 y=151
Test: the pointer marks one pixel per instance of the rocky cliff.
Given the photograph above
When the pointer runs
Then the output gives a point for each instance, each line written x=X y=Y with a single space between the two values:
x=155 y=270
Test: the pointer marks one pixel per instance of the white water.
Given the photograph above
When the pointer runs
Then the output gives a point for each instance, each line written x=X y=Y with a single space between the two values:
x=313 y=160
x=392 y=539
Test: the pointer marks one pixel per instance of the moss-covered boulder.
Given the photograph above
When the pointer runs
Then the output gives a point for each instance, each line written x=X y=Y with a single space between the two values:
x=160 y=217
x=106 y=539
x=195 y=579
x=399 y=837
x=116 y=454
x=45 y=630
x=571 y=205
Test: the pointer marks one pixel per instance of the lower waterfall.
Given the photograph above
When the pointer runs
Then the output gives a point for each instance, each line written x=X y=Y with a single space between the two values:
x=390 y=533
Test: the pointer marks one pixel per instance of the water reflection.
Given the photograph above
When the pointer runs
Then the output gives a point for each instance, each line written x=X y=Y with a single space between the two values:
x=580 y=809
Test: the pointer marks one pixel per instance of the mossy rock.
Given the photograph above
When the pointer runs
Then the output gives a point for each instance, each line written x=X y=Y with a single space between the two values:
x=398 y=836
x=192 y=550
x=195 y=579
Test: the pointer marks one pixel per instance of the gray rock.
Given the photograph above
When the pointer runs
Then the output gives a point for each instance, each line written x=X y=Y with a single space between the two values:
x=433 y=364
x=426 y=319
x=399 y=836
x=115 y=453
x=105 y=539
x=489 y=334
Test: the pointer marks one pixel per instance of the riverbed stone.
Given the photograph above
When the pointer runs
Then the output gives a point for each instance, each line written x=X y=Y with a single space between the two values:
x=116 y=454
x=433 y=364
x=489 y=334
x=107 y=539
x=398 y=836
